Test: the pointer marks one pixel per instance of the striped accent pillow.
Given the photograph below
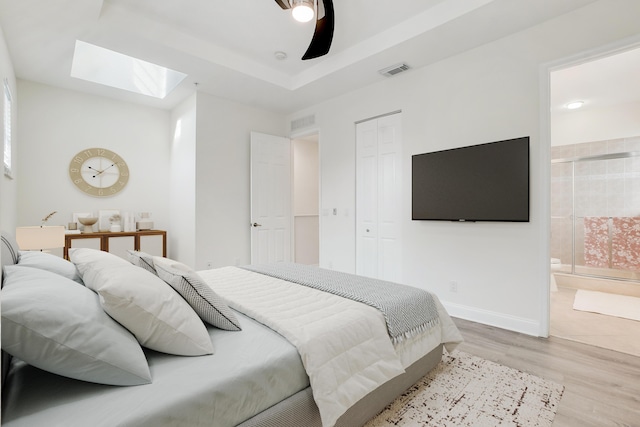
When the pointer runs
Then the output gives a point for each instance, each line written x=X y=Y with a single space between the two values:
x=204 y=301
x=141 y=259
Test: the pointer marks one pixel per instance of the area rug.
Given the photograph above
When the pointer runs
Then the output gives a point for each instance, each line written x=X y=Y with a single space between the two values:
x=609 y=304
x=465 y=390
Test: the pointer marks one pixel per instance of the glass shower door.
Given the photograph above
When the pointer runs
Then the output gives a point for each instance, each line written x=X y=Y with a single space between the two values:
x=592 y=212
x=562 y=215
x=595 y=215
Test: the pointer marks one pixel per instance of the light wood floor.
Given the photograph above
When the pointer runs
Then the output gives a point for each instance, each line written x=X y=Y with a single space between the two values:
x=602 y=386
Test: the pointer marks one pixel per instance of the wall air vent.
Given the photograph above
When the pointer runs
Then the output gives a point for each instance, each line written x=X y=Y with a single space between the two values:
x=303 y=122
x=394 y=69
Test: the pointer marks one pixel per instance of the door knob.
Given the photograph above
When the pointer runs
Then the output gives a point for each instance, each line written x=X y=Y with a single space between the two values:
x=255 y=224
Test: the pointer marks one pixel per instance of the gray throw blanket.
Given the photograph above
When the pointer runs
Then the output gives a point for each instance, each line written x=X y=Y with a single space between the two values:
x=407 y=310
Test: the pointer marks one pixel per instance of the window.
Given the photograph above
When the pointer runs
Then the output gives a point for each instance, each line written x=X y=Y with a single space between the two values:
x=7 y=129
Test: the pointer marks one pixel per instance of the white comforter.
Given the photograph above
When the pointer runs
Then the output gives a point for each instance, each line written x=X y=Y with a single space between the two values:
x=343 y=344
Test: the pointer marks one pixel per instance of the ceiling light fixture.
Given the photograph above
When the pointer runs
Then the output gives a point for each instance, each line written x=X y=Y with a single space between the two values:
x=302 y=10
x=574 y=105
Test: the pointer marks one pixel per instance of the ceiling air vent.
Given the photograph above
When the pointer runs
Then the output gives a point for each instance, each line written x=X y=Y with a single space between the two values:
x=303 y=122
x=394 y=69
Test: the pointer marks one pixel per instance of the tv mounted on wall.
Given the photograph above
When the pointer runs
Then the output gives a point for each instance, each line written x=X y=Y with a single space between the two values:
x=486 y=182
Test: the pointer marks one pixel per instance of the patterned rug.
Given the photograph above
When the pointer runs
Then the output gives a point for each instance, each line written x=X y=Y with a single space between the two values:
x=465 y=390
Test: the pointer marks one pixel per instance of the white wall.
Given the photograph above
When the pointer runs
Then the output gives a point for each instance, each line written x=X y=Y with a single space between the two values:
x=595 y=124
x=487 y=94
x=222 y=178
x=8 y=186
x=182 y=190
x=195 y=182
x=55 y=124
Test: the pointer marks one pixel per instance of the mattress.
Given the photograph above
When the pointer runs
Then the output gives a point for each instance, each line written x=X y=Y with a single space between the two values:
x=249 y=372
x=300 y=409
x=344 y=344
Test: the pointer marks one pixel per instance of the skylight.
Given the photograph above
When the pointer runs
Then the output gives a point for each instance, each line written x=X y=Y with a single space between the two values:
x=107 y=67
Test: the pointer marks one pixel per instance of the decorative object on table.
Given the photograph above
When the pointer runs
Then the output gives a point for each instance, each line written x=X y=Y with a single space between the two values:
x=88 y=222
x=145 y=222
x=40 y=237
x=48 y=217
x=104 y=219
x=72 y=226
x=77 y=215
x=99 y=172
x=128 y=221
x=115 y=223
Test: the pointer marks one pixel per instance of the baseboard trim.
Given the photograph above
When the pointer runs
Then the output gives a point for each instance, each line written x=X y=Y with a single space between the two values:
x=492 y=318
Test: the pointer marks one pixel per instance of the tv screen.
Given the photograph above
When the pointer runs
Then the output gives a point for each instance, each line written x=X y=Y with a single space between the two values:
x=486 y=182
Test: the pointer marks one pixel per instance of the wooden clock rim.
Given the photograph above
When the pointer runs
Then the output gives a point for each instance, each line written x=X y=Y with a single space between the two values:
x=89 y=189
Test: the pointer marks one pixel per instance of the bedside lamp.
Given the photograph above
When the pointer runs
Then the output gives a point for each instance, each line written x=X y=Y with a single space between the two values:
x=40 y=237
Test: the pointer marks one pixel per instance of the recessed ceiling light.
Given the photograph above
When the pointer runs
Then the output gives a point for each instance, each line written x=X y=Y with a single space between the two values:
x=574 y=105
x=280 y=56
x=107 y=67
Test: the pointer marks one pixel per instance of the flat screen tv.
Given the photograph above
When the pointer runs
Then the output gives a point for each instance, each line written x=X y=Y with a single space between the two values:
x=486 y=182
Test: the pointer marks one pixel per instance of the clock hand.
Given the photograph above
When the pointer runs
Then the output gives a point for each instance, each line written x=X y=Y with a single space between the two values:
x=98 y=172
x=112 y=165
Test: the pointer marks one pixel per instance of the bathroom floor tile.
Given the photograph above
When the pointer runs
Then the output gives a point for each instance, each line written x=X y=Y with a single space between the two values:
x=591 y=328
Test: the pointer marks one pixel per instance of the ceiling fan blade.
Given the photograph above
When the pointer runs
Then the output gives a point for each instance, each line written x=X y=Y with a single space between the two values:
x=323 y=34
x=284 y=4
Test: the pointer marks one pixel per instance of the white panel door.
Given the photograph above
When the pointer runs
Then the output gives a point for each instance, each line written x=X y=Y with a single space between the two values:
x=270 y=199
x=389 y=198
x=378 y=198
x=367 y=198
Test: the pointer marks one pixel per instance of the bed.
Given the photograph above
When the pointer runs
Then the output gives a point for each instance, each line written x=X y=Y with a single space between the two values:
x=248 y=365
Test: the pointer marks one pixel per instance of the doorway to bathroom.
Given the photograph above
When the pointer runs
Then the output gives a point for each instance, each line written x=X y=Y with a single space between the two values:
x=306 y=199
x=595 y=201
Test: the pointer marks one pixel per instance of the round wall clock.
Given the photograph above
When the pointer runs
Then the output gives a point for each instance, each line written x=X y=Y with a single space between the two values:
x=98 y=172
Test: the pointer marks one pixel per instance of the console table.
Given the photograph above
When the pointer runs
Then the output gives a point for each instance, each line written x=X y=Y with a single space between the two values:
x=153 y=242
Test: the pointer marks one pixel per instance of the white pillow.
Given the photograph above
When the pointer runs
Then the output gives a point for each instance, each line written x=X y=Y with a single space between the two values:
x=49 y=262
x=144 y=304
x=52 y=323
x=84 y=258
x=209 y=306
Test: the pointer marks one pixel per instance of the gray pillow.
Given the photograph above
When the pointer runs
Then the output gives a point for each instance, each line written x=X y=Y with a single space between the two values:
x=209 y=306
x=52 y=323
x=141 y=259
x=49 y=262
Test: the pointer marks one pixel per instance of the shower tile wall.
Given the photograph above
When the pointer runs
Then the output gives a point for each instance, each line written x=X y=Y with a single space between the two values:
x=602 y=188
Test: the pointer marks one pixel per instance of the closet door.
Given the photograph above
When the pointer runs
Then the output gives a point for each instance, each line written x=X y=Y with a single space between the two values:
x=367 y=198
x=378 y=198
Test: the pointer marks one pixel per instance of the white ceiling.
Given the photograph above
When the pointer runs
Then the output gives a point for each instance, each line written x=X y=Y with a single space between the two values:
x=600 y=83
x=228 y=46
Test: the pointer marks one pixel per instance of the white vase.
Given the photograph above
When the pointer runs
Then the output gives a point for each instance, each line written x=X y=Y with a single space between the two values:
x=115 y=228
x=129 y=221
